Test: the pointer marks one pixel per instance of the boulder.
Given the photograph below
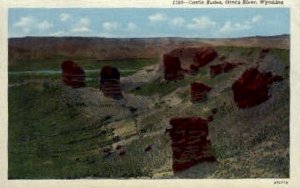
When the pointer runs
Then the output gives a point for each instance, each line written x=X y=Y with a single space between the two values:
x=172 y=68
x=148 y=148
x=72 y=74
x=110 y=82
x=199 y=91
x=180 y=60
x=190 y=143
x=252 y=88
x=204 y=56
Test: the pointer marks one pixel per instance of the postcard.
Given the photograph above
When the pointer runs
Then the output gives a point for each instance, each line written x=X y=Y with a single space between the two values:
x=148 y=93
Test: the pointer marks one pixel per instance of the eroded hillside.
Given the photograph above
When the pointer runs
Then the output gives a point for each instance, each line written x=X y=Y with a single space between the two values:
x=56 y=131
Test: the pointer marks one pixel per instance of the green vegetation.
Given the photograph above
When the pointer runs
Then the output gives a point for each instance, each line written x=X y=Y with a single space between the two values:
x=50 y=69
x=87 y=64
x=49 y=138
x=164 y=88
x=256 y=148
x=40 y=133
x=283 y=55
x=155 y=87
x=238 y=51
x=52 y=135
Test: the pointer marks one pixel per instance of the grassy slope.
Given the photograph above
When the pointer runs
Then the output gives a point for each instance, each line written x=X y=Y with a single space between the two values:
x=247 y=143
x=49 y=138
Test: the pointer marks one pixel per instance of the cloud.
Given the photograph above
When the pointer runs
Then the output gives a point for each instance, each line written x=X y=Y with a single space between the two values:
x=44 y=25
x=157 y=17
x=80 y=30
x=82 y=26
x=256 y=18
x=83 y=21
x=64 y=17
x=25 y=23
x=234 y=27
x=202 y=22
x=57 y=33
x=108 y=26
x=131 y=26
x=177 y=21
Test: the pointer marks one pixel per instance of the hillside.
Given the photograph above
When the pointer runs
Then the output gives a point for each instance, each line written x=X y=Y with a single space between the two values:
x=30 y=48
x=56 y=131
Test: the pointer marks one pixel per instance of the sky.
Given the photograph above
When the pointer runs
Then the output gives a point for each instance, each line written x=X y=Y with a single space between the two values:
x=149 y=22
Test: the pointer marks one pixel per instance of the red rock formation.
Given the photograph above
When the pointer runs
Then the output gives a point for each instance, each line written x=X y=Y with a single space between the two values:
x=221 y=68
x=204 y=56
x=252 y=87
x=198 y=91
x=72 y=74
x=190 y=144
x=172 y=68
x=187 y=60
x=110 y=82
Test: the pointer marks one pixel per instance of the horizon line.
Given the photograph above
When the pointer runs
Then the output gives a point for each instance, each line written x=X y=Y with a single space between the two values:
x=250 y=36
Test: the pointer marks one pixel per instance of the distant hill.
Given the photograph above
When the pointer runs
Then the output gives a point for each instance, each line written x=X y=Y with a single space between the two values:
x=29 y=48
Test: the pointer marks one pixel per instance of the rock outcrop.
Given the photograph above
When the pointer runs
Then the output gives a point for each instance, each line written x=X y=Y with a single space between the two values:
x=252 y=88
x=190 y=143
x=199 y=91
x=110 y=82
x=187 y=60
x=172 y=68
x=222 y=68
x=204 y=56
x=72 y=74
